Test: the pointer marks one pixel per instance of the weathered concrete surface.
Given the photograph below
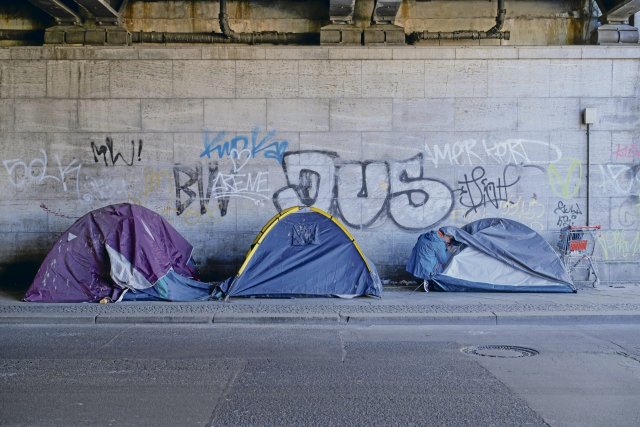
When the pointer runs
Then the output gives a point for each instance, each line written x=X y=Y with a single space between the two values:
x=466 y=132
x=539 y=22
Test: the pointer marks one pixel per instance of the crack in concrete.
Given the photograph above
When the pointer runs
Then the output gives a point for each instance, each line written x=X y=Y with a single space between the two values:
x=624 y=354
x=343 y=347
x=116 y=336
x=225 y=392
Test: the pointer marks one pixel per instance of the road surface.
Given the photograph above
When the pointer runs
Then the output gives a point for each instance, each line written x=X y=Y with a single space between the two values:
x=292 y=375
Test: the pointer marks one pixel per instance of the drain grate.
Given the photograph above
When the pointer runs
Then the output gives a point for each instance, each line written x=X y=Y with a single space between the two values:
x=505 y=351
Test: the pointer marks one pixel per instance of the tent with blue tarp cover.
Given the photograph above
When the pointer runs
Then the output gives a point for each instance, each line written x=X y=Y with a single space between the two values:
x=119 y=252
x=304 y=252
x=498 y=254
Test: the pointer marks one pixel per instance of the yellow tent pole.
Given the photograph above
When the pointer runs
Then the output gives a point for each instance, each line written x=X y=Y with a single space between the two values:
x=263 y=233
x=342 y=227
x=274 y=220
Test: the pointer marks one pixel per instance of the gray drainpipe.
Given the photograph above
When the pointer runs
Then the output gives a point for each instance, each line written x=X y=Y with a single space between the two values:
x=165 y=37
x=272 y=37
x=493 y=33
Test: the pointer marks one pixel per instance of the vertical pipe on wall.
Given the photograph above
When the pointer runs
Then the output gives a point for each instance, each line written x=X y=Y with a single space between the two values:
x=588 y=170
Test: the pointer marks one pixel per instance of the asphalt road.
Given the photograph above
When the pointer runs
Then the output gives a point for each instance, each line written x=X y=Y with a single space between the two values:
x=291 y=376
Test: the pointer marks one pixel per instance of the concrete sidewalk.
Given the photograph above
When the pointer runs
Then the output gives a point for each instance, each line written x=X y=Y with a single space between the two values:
x=399 y=305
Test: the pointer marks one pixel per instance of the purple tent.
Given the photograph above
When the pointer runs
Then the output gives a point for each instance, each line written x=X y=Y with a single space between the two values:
x=114 y=250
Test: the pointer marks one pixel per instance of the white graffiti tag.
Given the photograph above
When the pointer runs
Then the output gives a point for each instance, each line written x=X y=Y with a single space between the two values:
x=509 y=151
x=36 y=172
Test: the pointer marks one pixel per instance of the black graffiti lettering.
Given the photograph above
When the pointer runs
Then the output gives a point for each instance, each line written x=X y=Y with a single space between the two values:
x=477 y=191
x=223 y=200
x=363 y=194
x=299 y=186
x=417 y=202
x=567 y=214
x=416 y=196
x=570 y=209
x=308 y=187
x=219 y=185
x=102 y=150
x=193 y=174
x=367 y=185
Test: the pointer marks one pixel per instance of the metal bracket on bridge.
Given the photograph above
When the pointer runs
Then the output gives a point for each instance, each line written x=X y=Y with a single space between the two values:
x=384 y=31
x=616 y=28
x=341 y=30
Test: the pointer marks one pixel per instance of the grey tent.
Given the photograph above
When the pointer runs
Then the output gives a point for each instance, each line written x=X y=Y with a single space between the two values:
x=498 y=254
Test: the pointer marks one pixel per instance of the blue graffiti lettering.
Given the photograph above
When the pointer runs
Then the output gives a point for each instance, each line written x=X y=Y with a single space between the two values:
x=224 y=146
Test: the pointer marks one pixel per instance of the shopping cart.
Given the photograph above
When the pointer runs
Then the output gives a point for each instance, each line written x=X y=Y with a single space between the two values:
x=577 y=244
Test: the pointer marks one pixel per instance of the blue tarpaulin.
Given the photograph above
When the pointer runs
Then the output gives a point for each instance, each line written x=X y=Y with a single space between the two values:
x=498 y=254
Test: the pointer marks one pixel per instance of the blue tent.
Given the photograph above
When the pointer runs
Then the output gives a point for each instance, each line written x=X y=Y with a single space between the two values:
x=304 y=252
x=497 y=254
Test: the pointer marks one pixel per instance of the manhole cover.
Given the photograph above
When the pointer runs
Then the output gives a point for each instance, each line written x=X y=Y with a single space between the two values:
x=509 y=351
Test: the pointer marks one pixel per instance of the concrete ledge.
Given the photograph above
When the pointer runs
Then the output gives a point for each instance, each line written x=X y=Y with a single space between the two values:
x=48 y=319
x=550 y=52
x=169 y=318
x=568 y=318
x=277 y=318
x=233 y=52
x=31 y=52
x=294 y=52
x=611 y=52
x=242 y=52
x=424 y=53
x=365 y=53
x=419 y=318
x=124 y=52
x=498 y=52
x=184 y=52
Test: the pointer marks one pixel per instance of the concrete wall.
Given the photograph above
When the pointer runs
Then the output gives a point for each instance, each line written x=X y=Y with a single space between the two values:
x=393 y=141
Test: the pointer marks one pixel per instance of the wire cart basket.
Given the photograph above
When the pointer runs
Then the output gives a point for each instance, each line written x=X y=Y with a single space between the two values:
x=577 y=244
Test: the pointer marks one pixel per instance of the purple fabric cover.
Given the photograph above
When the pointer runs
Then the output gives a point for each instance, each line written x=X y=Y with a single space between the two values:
x=77 y=269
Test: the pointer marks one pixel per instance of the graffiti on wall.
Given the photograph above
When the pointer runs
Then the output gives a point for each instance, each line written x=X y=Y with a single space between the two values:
x=567 y=213
x=472 y=152
x=529 y=211
x=114 y=156
x=364 y=194
x=620 y=245
x=220 y=186
x=619 y=179
x=565 y=185
x=626 y=152
x=477 y=190
x=255 y=143
x=629 y=212
x=104 y=189
x=71 y=177
x=37 y=171
x=210 y=182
